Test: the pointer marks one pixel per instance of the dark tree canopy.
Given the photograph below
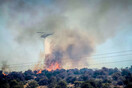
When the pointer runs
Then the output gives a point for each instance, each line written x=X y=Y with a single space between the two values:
x=83 y=78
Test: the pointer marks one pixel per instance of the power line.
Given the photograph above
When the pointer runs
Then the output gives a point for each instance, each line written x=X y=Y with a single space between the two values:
x=88 y=64
x=31 y=63
x=111 y=62
x=111 y=53
x=23 y=69
x=113 y=56
x=114 y=52
x=34 y=63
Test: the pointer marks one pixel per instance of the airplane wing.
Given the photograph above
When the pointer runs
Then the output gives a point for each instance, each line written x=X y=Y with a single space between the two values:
x=40 y=32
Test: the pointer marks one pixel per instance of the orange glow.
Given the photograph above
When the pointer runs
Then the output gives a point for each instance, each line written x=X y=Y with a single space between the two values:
x=40 y=71
x=54 y=66
x=4 y=74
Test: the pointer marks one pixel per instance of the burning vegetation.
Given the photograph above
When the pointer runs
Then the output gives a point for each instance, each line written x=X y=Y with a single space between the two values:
x=71 y=78
x=66 y=50
x=5 y=68
x=54 y=66
x=39 y=72
x=4 y=74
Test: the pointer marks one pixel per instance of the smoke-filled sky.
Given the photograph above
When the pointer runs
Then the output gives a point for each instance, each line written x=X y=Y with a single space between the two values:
x=82 y=29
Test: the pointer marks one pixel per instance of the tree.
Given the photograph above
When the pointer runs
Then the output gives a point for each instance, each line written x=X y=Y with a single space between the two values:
x=71 y=79
x=116 y=76
x=4 y=82
x=16 y=84
x=43 y=81
x=106 y=85
x=91 y=84
x=130 y=69
x=77 y=84
x=128 y=80
x=86 y=85
x=125 y=72
x=84 y=77
x=129 y=85
x=5 y=85
x=62 y=84
x=32 y=84
x=52 y=82
x=19 y=76
x=28 y=74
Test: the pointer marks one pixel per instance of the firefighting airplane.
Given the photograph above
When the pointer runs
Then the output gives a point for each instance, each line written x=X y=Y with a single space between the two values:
x=44 y=35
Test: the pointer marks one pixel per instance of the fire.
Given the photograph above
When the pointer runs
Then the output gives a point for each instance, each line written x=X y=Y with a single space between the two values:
x=4 y=74
x=54 y=66
x=40 y=71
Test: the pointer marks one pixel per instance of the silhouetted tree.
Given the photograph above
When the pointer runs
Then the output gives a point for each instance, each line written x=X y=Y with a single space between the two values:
x=28 y=75
x=125 y=72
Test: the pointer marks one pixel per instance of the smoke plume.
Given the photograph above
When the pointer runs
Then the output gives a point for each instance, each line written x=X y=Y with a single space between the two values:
x=5 y=67
x=68 y=48
x=78 y=27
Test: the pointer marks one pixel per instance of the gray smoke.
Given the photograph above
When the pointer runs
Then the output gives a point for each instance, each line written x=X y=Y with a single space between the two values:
x=5 y=67
x=78 y=26
x=69 y=46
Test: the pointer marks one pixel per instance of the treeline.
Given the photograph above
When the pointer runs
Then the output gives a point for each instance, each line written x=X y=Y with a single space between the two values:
x=72 y=78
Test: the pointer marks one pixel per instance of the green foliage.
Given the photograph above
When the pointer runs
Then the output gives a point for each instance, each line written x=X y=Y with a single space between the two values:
x=32 y=84
x=125 y=72
x=16 y=84
x=83 y=78
x=28 y=74
x=62 y=84
x=106 y=85
x=91 y=84
x=52 y=82
x=51 y=85
x=43 y=81
x=5 y=85
x=71 y=79
x=77 y=83
x=116 y=76
x=86 y=85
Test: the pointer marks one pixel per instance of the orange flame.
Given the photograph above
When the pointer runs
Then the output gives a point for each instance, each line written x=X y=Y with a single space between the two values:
x=54 y=66
x=4 y=74
x=40 y=71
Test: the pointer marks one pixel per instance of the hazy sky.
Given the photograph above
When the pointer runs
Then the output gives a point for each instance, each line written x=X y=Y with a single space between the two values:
x=107 y=23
